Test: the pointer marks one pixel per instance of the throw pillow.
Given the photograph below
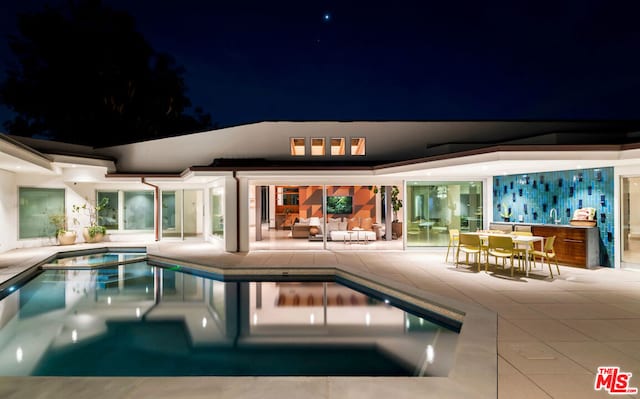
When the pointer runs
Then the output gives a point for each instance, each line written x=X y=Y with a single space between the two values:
x=333 y=226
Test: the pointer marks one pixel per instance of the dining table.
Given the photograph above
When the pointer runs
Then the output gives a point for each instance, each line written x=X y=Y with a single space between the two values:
x=517 y=239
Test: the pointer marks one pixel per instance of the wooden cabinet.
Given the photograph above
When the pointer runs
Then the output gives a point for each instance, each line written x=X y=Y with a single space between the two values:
x=575 y=246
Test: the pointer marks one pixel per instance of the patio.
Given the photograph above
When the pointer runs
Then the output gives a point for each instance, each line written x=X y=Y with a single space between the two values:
x=552 y=334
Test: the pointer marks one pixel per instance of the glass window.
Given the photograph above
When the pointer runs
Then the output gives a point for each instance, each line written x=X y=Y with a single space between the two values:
x=297 y=146
x=36 y=206
x=358 y=146
x=433 y=208
x=138 y=210
x=317 y=146
x=337 y=146
x=108 y=216
x=217 y=212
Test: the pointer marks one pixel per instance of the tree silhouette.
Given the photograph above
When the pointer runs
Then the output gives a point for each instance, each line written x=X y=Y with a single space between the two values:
x=84 y=74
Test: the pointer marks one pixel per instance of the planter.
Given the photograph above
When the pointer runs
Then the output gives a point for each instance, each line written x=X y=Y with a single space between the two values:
x=96 y=238
x=396 y=229
x=67 y=238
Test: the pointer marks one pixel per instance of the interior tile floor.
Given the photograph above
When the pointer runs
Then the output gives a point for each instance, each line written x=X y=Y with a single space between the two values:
x=552 y=333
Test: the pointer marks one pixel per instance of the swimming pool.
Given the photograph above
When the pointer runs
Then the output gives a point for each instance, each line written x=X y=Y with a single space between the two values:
x=137 y=319
x=99 y=259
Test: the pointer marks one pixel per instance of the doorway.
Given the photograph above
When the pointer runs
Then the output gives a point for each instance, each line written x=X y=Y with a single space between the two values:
x=182 y=214
x=630 y=222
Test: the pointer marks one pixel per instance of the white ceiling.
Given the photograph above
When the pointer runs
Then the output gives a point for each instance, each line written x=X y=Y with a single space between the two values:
x=17 y=165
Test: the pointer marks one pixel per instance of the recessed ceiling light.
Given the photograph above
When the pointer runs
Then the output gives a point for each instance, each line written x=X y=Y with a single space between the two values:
x=18 y=167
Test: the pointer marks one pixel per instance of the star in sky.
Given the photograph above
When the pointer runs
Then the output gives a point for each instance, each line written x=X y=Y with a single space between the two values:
x=326 y=17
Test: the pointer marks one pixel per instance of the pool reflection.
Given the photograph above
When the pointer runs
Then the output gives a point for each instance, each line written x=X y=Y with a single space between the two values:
x=62 y=310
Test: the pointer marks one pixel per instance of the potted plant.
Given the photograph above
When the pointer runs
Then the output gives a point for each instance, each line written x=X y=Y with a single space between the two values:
x=93 y=232
x=505 y=213
x=396 y=204
x=64 y=236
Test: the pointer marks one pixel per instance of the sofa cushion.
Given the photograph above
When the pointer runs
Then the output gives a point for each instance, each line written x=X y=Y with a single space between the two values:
x=366 y=223
x=331 y=226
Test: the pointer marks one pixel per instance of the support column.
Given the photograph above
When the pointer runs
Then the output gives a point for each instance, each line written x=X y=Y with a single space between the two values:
x=388 y=213
x=230 y=215
x=258 y=213
x=243 y=214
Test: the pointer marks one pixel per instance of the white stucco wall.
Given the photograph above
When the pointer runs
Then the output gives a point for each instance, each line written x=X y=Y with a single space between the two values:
x=74 y=194
x=8 y=211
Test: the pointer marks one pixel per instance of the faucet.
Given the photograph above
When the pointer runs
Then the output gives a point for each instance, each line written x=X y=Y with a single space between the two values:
x=551 y=215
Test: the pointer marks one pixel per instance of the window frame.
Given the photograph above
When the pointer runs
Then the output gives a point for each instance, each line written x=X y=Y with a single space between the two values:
x=50 y=227
x=293 y=146
x=342 y=150
x=363 y=140
x=322 y=147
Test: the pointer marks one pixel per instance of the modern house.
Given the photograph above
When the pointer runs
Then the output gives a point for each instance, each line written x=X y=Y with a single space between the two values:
x=327 y=185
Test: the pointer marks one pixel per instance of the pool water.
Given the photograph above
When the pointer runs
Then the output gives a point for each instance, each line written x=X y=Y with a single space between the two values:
x=99 y=259
x=137 y=319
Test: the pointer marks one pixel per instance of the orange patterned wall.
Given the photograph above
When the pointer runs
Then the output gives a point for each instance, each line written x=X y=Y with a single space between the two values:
x=363 y=200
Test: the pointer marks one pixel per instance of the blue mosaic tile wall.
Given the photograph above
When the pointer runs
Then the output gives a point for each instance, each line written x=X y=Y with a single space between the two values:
x=530 y=197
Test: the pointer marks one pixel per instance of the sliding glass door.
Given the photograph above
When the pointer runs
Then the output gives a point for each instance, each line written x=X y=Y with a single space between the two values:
x=182 y=213
x=433 y=208
x=630 y=216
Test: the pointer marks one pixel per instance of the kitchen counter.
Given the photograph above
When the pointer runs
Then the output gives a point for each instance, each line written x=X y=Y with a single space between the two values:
x=574 y=246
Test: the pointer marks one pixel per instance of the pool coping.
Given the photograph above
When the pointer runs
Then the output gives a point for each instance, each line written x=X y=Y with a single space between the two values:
x=473 y=375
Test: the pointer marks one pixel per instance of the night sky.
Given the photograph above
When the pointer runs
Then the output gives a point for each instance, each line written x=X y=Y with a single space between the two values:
x=250 y=61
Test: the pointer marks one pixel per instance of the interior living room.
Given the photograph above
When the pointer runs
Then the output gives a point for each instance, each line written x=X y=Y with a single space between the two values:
x=293 y=217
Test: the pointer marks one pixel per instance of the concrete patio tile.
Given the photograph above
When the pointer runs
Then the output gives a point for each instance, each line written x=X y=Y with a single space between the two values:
x=631 y=348
x=605 y=330
x=550 y=330
x=537 y=358
x=570 y=386
x=512 y=384
x=593 y=355
x=516 y=311
x=536 y=297
x=580 y=311
x=509 y=332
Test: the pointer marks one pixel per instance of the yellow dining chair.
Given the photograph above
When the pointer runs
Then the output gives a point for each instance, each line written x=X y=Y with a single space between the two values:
x=469 y=244
x=500 y=247
x=454 y=239
x=520 y=248
x=547 y=253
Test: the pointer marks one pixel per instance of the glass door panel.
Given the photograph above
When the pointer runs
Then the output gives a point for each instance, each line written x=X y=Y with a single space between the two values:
x=435 y=207
x=192 y=214
x=171 y=214
x=630 y=222
x=182 y=213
